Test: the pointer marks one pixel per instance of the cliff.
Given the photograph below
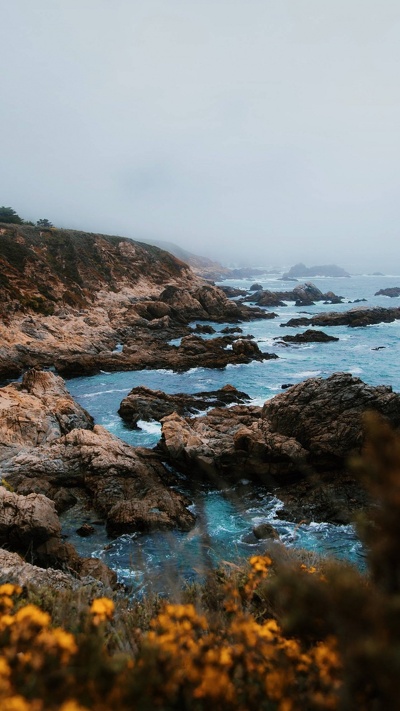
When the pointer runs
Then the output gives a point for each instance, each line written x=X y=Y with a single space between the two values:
x=83 y=302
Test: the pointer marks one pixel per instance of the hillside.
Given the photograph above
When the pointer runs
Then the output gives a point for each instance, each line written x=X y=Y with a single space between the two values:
x=42 y=268
x=202 y=266
x=84 y=302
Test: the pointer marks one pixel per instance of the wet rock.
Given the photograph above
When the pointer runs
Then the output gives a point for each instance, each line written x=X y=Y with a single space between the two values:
x=309 y=336
x=353 y=318
x=325 y=416
x=303 y=295
x=256 y=287
x=300 y=441
x=392 y=291
x=265 y=530
x=114 y=476
x=85 y=530
x=204 y=328
x=145 y=404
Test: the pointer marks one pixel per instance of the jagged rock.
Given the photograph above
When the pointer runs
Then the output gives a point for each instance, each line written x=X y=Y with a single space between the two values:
x=392 y=291
x=115 y=476
x=354 y=318
x=265 y=530
x=303 y=295
x=309 y=336
x=85 y=530
x=37 y=410
x=145 y=404
x=256 y=287
x=15 y=569
x=29 y=525
x=26 y=521
x=308 y=431
x=204 y=328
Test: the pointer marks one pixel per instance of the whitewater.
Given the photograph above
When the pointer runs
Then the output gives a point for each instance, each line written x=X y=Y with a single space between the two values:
x=156 y=561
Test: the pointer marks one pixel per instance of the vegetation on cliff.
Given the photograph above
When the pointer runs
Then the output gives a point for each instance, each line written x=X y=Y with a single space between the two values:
x=279 y=634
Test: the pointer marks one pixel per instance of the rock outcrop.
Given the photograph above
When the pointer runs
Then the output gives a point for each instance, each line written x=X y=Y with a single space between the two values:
x=305 y=433
x=309 y=336
x=328 y=270
x=145 y=404
x=29 y=525
x=67 y=296
x=392 y=291
x=303 y=295
x=354 y=318
x=13 y=568
x=128 y=487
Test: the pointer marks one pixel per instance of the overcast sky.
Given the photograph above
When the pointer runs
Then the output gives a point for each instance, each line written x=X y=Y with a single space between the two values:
x=257 y=130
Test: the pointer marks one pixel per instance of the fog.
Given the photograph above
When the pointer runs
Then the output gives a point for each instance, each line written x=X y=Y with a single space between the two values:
x=255 y=131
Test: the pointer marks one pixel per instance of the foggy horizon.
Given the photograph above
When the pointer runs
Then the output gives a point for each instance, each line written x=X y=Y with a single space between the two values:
x=260 y=133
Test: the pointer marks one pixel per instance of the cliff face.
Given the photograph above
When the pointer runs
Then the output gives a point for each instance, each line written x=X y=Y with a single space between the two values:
x=68 y=298
x=40 y=269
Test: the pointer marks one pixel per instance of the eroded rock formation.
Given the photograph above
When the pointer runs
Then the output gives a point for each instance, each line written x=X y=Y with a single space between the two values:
x=303 y=435
x=145 y=404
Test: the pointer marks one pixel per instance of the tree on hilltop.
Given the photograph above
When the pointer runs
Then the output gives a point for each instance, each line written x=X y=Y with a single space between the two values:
x=7 y=214
x=44 y=222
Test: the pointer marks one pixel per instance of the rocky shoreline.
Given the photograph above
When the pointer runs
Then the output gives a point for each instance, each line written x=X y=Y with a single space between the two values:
x=77 y=304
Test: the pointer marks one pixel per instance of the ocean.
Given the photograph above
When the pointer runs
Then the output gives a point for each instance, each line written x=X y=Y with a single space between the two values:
x=155 y=561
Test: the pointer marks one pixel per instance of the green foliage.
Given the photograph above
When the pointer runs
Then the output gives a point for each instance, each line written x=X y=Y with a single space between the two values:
x=44 y=222
x=7 y=214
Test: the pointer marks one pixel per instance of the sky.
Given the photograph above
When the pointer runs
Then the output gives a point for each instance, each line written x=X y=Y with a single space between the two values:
x=251 y=131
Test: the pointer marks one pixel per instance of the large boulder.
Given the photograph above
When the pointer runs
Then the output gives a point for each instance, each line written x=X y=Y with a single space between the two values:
x=299 y=442
x=37 y=410
x=325 y=416
x=127 y=486
x=26 y=521
x=145 y=404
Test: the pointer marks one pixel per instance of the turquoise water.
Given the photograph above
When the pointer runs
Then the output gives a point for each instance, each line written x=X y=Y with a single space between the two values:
x=226 y=518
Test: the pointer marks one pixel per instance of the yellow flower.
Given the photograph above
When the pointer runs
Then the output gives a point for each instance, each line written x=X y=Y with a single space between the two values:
x=32 y=614
x=72 y=705
x=9 y=589
x=15 y=703
x=102 y=609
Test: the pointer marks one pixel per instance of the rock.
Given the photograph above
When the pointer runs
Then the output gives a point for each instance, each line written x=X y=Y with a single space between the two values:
x=116 y=479
x=392 y=291
x=353 y=317
x=309 y=336
x=325 y=416
x=328 y=270
x=85 y=530
x=29 y=525
x=15 y=569
x=303 y=295
x=231 y=329
x=298 y=444
x=26 y=521
x=256 y=287
x=265 y=530
x=286 y=385
x=204 y=328
x=38 y=410
x=145 y=404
